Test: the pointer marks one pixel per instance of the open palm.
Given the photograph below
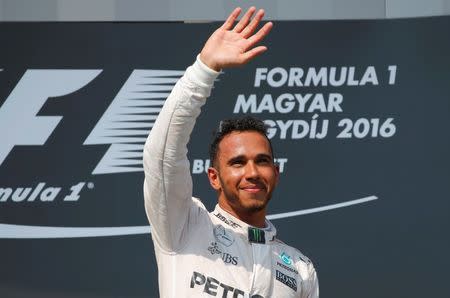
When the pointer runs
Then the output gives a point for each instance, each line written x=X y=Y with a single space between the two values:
x=233 y=46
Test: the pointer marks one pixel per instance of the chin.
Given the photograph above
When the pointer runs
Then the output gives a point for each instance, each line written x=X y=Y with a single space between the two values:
x=255 y=208
x=247 y=203
x=255 y=205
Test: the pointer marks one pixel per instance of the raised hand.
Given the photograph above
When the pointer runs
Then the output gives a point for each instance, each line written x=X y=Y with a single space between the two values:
x=232 y=46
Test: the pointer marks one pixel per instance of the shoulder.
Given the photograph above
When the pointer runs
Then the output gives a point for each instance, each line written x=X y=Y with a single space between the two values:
x=197 y=202
x=198 y=208
x=294 y=255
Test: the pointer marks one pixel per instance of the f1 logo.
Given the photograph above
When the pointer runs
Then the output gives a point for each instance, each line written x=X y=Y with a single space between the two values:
x=19 y=124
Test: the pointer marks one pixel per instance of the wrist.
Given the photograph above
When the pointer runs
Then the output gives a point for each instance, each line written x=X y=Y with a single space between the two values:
x=201 y=73
x=208 y=63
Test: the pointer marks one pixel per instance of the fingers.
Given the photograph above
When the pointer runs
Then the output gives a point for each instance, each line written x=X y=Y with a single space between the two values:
x=258 y=36
x=253 y=25
x=245 y=20
x=231 y=18
x=249 y=55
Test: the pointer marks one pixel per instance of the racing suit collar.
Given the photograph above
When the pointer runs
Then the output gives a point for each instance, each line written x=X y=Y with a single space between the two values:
x=263 y=235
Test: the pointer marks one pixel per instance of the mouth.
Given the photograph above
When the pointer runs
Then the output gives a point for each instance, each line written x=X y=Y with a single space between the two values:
x=253 y=188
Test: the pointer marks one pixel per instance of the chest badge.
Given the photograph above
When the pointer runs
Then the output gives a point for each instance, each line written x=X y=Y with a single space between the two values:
x=256 y=235
x=222 y=236
x=286 y=259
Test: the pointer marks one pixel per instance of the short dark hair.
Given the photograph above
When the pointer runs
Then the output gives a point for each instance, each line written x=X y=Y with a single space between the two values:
x=228 y=126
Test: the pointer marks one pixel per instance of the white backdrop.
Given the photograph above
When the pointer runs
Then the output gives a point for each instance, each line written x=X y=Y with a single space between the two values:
x=176 y=10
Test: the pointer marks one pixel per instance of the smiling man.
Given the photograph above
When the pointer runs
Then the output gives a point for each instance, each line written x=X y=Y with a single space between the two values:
x=232 y=251
x=243 y=171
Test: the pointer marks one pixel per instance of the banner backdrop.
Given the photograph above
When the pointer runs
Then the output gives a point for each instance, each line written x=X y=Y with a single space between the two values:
x=359 y=116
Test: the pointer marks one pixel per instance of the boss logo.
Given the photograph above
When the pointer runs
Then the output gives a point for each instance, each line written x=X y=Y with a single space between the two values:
x=287 y=280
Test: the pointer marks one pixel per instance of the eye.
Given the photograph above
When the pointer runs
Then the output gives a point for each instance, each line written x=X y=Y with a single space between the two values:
x=237 y=163
x=264 y=160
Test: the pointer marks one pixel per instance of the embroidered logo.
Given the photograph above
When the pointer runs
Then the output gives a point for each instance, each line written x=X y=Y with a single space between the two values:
x=226 y=257
x=214 y=249
x=287 y=280
x=222 y=236
x=286 y=259
x=229 y=222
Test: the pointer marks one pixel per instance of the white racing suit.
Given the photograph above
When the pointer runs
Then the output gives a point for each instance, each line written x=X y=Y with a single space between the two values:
x=202 y=254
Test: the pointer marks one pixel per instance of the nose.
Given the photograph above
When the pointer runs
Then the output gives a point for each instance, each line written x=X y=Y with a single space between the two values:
x=251 y=170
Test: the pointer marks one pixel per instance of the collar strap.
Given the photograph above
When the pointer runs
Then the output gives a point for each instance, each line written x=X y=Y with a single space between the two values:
x=256 y=235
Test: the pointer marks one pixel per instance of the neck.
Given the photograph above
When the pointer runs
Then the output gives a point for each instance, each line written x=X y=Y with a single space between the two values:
x=256 y=218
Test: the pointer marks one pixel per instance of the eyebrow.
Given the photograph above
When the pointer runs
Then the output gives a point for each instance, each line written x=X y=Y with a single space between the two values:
x=242 y=157
x=264 y=155
x=236 y=158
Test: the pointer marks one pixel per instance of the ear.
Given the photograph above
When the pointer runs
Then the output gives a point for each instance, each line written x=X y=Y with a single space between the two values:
x=213 y=176
x=277 y=173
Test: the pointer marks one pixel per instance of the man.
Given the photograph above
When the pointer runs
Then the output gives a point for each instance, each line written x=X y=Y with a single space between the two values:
x=232 y=251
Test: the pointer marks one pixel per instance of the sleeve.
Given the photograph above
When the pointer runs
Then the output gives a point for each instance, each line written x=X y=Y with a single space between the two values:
x=313 y=282
x=168 y=182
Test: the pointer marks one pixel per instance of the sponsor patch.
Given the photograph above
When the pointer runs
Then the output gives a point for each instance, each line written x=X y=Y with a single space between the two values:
x=214 y=249
x=215 y=287
x=287 y=268
x=222 y=236
x=287 y=280
x=227 y=221
x=256 y=235
x=286 y=259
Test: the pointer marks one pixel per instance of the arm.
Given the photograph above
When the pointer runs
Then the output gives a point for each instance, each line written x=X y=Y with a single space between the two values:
x=168 y=183
x=313 y=283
